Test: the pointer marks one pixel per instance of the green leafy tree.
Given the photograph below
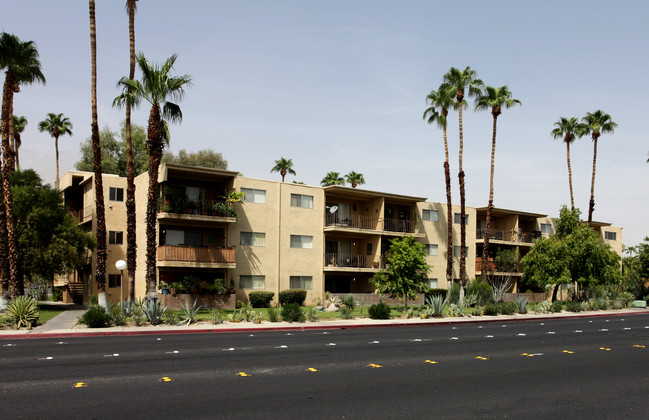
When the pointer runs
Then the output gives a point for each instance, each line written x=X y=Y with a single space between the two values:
x=355 y=179
x=21 y=65
x=20 y=123
x=284 y=166
x=597 y=123
x=494 y=99
x=206 y=158
x=406 y=271
x=635 y=269
x=332 y=178
x=113 y=152
x=440 y=102
x=569 y=129
x=56 y=125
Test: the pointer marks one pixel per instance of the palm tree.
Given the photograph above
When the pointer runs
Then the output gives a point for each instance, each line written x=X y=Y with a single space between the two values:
x=442 y=100
x=20 y=62
x=569 y=129
x=56 y=125
x=597 y=123
x=283 y=166
x=495 y=99
x=100 y=268
x=462 y=82
x=332 y=178
x=155 y=87
x=19 y=126
x=355 y=179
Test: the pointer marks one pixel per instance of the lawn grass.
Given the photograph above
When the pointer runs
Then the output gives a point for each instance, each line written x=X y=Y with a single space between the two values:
x=47 y=312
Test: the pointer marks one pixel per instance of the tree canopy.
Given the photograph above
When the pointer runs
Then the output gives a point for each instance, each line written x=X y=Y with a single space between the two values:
x=406 y=271
x=206 y=158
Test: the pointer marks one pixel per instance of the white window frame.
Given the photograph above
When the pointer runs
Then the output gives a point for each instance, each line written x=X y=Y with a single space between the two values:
x=546 y=228
x=304 y=241
x=608 y=233
x=432 y=283
x=252 y=239
x=301 y=282
x=252 y=195
x=428 y=215
x=302 y=201
x=432 y=250
x=252 y=281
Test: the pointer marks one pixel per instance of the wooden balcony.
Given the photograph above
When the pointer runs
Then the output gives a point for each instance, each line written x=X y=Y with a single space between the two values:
x=508 y=235
x=349 y=261
x=195 y=254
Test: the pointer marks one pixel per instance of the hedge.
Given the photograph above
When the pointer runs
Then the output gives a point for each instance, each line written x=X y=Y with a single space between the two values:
x=292 y=295
x=260 y=299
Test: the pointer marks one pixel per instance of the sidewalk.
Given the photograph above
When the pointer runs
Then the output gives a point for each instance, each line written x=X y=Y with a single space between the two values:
x=63 y=325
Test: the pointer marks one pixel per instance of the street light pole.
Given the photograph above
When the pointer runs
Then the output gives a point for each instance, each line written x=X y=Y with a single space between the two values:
x=121 y=265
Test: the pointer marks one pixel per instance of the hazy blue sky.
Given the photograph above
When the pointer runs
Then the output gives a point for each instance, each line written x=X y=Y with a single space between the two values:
x=341 y=86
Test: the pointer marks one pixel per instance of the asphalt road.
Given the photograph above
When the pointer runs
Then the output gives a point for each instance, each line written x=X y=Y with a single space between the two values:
x=576 y=368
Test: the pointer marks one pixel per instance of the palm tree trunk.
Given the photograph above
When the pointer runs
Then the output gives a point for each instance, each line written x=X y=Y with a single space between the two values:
x=4 y=262
x=56 y=146
x=591 y=204
x=131 y=248
x=449 y=214
x=485 y=245
x=11 y=159
x=462 y=209
x=100 y=269
x=10 y=86
x=155 y=147
x=17 y=142
x=572 y=198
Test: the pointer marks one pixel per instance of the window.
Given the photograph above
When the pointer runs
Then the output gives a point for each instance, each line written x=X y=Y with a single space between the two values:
x=611 y=236
x=432 y=283
x=252 y=282
x=304 y=201
x=182 y=237
x=115 y=238
x=301 y=282
x=253 y=238
x=431 y=249
x=254 y=196
x=116 y=194
x=301 y=241
x=114 y=280
x=456 y=251
x=546 y=228
x=457 y=216
x=430 y=216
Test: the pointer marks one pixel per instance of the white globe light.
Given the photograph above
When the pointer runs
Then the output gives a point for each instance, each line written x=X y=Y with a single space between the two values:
x=120 y=265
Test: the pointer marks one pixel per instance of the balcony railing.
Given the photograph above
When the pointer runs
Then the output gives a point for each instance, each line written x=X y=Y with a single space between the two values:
x=509 y=235
x=82 y=215
x=355 y=221
x=398 y=225
x=198 y=254
x=497 y=268
x=349 y=260
x=202 y=207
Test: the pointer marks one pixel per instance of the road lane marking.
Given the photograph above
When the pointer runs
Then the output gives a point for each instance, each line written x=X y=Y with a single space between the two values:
x=626 y=329
x=243 y=374
x=229 y=349
x=165 y=379
x=112 y=355
x=8 y=345
x=432 y=362
x=604 y=329
x=639 y=346
x=521 y=334
x=80 y=385
x=312 y=369
x=373 y=342
x=372 y=365
x=416 y=340
x=454 y=338
x=568 y=351
x=62 y=342
x=282 y=347
x=331 y=344
x=578 y=331
x=46 y=358
x=481 y=358
x=550 y=332
x=172 y=352
x=604 y=348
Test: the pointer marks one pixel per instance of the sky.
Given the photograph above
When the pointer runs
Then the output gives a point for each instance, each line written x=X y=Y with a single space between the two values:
x=340 y=85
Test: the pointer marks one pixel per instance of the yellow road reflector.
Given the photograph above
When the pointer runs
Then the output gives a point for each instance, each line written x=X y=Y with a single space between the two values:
x=312 y=369
x=242 y=374
x=431 y=362
x=604 y=348
x=527 y=355
x=165 y=379
x=372 y=365
x=80 y=385
x=638 y=346
x=568 y=351
x=481 y=358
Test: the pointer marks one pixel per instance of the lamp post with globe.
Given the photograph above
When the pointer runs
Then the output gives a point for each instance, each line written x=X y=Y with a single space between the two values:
x=121 y=265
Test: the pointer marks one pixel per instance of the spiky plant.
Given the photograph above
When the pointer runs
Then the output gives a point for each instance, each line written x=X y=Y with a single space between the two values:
x=154 y=312
x=23 y=311
x=189 y=313
x=521 y=304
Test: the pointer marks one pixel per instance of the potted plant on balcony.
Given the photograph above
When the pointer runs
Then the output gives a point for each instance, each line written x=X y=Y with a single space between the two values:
x=190 y=207
x=164 y=288
x=175 y=288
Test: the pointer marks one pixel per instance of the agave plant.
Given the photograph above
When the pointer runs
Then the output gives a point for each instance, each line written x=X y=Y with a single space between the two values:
x=436 y=304
x=471 y=299
x=189 y=314
x=521 y=304
x=23 y=311
x=154 y=312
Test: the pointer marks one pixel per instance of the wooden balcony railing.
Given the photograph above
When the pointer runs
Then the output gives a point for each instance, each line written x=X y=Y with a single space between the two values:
x=355 y=221
x=509 y=235
x=349 y=260
x=501 y=268
x=198 y=254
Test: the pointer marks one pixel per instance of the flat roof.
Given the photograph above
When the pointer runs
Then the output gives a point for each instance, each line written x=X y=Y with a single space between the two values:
x=499 y=211
x=342 y=191
x=194 y=172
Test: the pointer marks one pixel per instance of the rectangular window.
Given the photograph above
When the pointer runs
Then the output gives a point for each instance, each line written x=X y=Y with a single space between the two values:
x=252 y=282
x=456 y=251
x=432 y=283
x=252 y=238
x=430 y=216
x=115 y=238
x=300 y=200
x=254 y=196
x=457 y=217
x=301 y=282
x=301 y=241
x=431 y=249
x=611 y=236
x=114 y=280
x=546 y=228
x=116 y=194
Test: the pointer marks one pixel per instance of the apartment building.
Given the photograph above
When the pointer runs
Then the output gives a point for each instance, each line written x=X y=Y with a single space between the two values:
x=286 y=235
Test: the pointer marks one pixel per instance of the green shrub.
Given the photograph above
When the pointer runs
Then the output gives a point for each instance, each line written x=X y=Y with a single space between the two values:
x=435 y=292
x=260 y=299
x=454 y=293
x=154 y=311
x=491 y=309
x=477 y=311
x=313 y=315
x=23 y=311
x=95 y=317
x=573 y=306
x=116 y=314
x=508 y=308
x=379 y=311
x=349 y=302
x=346 y=313
x=170 y=318
x=272 y=315
x=57 y=294
x=292 y=296
x=521 y=304
x=482 y=289
x=291 y=312
x=556 y=306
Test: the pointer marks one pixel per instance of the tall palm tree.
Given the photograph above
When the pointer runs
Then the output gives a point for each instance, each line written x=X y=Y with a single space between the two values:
x=440 y=101
x=20 y=62
x=131 y=246
x=355 y=179
x=283 y=166
x=155 y=87
x=100 y=268
x=56 y=125
x=332 y=178
x=495 y=99
x=569 y=129
x=19 y=126
x=597 y=123
x=464 y=83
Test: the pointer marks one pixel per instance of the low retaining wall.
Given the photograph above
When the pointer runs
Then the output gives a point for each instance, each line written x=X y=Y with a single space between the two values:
x=206 y=301
x=532 y=297
x=373 y=298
